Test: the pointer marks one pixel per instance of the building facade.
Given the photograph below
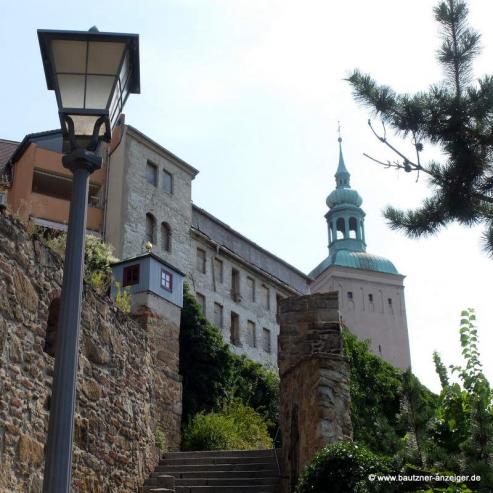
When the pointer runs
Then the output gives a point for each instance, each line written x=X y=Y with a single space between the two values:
x=142 y=198
x=371 y=290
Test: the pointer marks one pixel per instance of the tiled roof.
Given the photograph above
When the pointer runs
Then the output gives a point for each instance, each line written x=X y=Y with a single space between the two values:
x=7 y=148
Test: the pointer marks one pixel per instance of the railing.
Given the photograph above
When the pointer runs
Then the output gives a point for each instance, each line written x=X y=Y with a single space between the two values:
x=274 y=445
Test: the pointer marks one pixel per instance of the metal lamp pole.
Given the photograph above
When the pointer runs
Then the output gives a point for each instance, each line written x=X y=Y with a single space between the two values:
x=58 y=459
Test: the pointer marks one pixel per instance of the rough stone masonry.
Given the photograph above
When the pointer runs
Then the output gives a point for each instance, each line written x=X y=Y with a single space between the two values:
x=315 y=398
x=123 y=395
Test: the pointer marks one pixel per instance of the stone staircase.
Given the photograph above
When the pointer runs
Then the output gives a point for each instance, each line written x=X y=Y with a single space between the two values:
x=227 y=471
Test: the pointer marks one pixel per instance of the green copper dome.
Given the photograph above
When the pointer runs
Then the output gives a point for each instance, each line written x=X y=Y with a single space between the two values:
x=344 y=196
x=355 y=260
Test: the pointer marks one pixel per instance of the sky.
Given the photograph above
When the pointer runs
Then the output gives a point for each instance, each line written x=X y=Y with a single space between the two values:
x=250 y=93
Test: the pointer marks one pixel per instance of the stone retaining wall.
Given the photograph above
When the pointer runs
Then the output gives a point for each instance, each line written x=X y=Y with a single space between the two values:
x=315 y=399
x=118 y=382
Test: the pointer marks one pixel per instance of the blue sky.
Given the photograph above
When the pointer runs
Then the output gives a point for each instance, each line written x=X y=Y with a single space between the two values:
x=250 y=92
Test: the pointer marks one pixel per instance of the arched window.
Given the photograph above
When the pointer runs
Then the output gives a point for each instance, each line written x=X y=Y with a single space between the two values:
x=353 y=226
x=150 y=228
x=52 y=327
x=341 y=228
x=165 y=237
x=331 y=239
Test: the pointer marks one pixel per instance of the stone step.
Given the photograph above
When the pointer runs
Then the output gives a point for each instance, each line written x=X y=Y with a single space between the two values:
x=214 y=473
x=211 y=453
x=156 y=489
x=228 y=489
x=216 y=459
x=177 y=468
x=240 y=481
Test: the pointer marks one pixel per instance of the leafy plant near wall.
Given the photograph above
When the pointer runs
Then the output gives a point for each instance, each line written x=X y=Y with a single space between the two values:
x=123 y=298
x=235 y=427
x=213 y=375
x=98 y=259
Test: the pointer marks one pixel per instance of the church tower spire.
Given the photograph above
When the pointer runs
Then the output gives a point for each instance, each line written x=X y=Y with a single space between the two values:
x=345 y=218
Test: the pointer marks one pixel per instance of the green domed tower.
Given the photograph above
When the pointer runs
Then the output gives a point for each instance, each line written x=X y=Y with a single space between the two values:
x=345 y=218
x=371 y=290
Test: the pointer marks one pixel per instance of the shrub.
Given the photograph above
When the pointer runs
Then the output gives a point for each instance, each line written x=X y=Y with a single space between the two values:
x=342 y=468
x=123 y=298
x=98 y=259
x=160 y=439
x=237 y=427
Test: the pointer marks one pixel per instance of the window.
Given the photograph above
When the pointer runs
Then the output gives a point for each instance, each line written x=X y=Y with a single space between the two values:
x=167 y=182
x=218 y=315
x=380 y=349
x=266 y=340
x=278 y=304
x=151 y=173
x=201 y=260
x=52 y=327
x=150 y=235
x=201 y=301
x=235 y=329
x=391 y=308
x=165 y=237
x=340 y=229
x=266 y=297
x=251 y=288
x=251 y=335
x=166 y=280
x=60 y=187
x=235 y=285
x=218 y=270
x=131 y=275
x=353 y=226
x=349 y=295
x=370 y=300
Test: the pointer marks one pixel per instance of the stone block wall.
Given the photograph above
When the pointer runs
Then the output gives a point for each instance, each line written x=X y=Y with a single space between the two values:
x=118 y=384
x=315 y=399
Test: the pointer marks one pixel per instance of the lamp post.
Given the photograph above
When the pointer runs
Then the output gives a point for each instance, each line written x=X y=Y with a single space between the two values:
x=92 y=74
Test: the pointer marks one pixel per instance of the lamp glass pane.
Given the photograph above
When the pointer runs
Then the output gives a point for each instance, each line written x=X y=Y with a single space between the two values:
x=104 y=57
x=98 y=91
x=69 y=56
x=84 y=125
x=71 y=90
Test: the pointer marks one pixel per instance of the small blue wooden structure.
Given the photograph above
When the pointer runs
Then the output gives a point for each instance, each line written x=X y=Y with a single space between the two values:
x=149 y=273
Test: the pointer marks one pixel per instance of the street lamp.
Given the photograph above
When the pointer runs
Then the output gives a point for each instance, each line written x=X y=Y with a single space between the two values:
x=92 y=74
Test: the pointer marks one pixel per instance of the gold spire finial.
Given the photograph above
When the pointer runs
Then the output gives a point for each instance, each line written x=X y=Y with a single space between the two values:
x=339 y=131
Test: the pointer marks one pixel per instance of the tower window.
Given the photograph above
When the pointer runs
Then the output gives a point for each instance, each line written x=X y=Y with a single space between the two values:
x=151 y=173
x=150 y=235
x=349 y=295
x=167 y=182
x=353 y=226
x=390 y=301
x=341 y=228
x=166 y=237
x=370 y=298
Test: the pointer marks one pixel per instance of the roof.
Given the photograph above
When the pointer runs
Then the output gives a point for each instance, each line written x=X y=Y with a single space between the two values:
x=355 y=260
x=49 y=139
x=253 y=254
x=145 y=255
x=7 y=148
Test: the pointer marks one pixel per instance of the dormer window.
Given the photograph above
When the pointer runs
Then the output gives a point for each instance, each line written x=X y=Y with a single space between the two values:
x=166 y=280
x=131 y=275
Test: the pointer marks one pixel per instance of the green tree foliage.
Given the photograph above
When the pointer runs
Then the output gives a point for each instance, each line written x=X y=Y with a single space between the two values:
x=213 y=375
x=456 y=115
x=462 y=431
x=235 y=427
x=376 y=394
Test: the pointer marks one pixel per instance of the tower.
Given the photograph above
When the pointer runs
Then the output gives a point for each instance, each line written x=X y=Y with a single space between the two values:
x=371 y=290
